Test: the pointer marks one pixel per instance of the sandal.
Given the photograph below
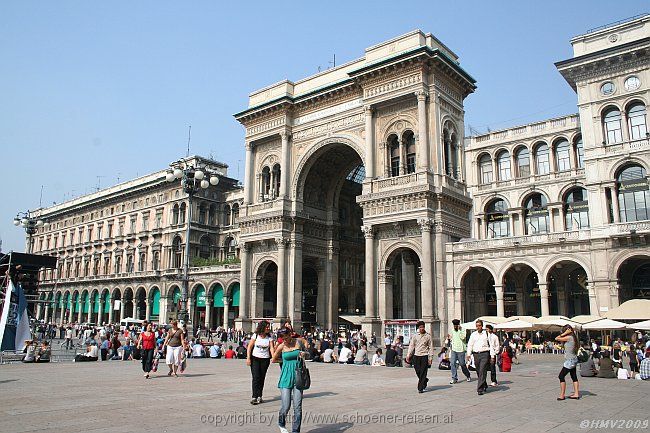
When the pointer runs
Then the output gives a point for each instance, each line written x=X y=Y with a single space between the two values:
x=560 y=399
x=574 y=398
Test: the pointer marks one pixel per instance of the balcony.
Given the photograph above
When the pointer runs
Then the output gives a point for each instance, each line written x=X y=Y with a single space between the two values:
x=397 y=183
x=628 y=146
x=521 y=241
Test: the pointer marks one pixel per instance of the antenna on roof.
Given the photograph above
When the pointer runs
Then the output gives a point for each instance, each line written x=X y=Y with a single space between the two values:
x=40 y=200
x=333 y=62
x=189 y=137
x=99 y=183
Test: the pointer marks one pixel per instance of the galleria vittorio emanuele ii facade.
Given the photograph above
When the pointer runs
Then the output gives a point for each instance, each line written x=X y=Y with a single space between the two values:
x=363 y=204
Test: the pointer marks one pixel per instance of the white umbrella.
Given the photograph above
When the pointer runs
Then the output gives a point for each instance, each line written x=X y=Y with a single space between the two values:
x=604 y=324
x=641 y=326
x=549 y=323
x=492 y=320
x=515 y=325
x=585 y=318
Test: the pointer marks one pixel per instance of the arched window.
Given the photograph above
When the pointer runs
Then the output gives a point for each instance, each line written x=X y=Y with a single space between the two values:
x=576 y=209
x=212 y=215
x=393 y=146
x=266 y=183
x=496 y=215
x=118 y=264
x=504 y=165
x=612 y=126
x=562 y=158
x=542 y=163
x=177 y=252
x=155 y=264
x=536 y=214
x=226 y=215
x=523 y=162
x=276 y=181
x=485 y=165
x=580 y=152
x=409 y=142
x=636 y=117
x=232 y=248
x=129 y=263
x=450 y=139
x=235 y=213
x=202 y=213
x=182 y=213
x=206 y=247
x=633 y=194
x=175 y=214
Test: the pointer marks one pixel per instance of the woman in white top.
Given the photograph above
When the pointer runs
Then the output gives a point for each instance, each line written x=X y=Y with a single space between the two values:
x=258 y=358
x=377 y=359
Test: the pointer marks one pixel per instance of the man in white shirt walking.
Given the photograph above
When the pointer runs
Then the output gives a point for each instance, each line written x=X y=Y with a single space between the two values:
x=494 y=352
x=479 y=347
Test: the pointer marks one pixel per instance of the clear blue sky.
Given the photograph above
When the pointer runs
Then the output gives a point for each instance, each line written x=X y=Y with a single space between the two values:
x=108 y=89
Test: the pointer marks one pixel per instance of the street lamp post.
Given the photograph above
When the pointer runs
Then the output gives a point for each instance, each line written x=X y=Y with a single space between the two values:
x=192 y=179
x=30 y=224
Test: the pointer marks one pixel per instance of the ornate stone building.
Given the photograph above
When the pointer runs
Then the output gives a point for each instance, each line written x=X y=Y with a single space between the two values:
x=120 y=251
x=363 y=203
x=561 y=207
x=374 y=144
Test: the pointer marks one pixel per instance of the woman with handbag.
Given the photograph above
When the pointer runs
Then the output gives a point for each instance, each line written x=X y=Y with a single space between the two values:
x=147 y=345
x=289 y=352
x=175 y=342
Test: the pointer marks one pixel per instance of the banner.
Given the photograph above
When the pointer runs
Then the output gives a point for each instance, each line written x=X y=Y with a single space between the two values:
x=14 y=322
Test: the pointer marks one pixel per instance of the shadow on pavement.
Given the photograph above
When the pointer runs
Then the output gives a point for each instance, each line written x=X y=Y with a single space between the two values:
x=342 y=426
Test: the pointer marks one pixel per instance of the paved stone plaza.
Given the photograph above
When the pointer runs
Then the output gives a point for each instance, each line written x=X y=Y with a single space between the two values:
x=113 y=396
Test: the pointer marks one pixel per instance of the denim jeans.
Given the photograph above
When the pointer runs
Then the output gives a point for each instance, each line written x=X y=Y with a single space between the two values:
x=287 y=395
x=460 y=356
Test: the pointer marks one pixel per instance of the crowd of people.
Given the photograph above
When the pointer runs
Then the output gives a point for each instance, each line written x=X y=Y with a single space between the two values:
x=482 y=352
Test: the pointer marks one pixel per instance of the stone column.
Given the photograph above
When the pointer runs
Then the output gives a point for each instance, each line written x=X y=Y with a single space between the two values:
x=370 y=143
x=147 y=306
x=551 y=219
x=226 y=310
x=285 y=169
x=513 y=228
x=477 y=228
x=543 y=294
x=615 y=207
x=81 y=307
x=46 y=315
x=249 y=185
x=500 y=305
x=423 y=137
x=110 y=310
x=281 y=310
x=593 y=302
x=295 y=290
x=385 y=294
x=122 y=308
x=402 y=156
x=208 y=311
x=101 y=310
x=39 y=310
x=62 y=314
x=244 y=289
x=371 y=312
x=426 y=288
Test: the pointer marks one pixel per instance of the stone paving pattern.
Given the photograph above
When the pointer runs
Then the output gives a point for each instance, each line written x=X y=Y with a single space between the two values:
x=113 y=396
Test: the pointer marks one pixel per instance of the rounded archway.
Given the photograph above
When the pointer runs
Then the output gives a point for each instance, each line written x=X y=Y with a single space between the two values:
x=154 y=304
x=127 y=303
x=634 y=278
x=309 y=296
x=403 y=265
x=521 y=295
x=217 y=305
x=568 y=293
x=266 y=290
x=478 y=295
x=174 y=299
x=140 y=304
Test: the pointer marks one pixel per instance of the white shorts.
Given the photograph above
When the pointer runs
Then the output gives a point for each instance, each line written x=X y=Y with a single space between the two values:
x=173 y=355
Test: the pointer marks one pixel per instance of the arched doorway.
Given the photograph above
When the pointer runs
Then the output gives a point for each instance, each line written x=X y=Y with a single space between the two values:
x=478 y=295
x=404 y=266
x=309 y=296
x=96 y=307
x=85 y=306
x=127 y=302
x=233 y=299
x=199 y=305
x=174 y=302
x=154 y=304
x=140 y=304
x=117 y=305
x=105 y=310
x=634 y=279
x=521 y=295
x=568 y=293
x=327 y=191
x=217 y=305
x=266 y=291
